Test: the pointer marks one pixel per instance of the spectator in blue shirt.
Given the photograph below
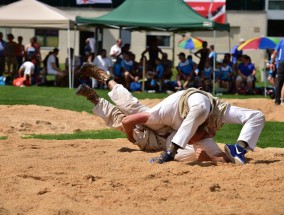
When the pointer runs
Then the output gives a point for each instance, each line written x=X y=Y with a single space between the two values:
x=246 y=74
x=185 y=70
x=127 y=67
x=212 y=56
x=278 y=56
x=226 y=74
x=206 y=77
x=160 y=73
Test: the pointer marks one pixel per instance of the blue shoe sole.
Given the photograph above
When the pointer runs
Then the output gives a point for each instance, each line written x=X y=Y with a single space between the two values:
x=234 y=160
x=238 y=161
x=228 y=153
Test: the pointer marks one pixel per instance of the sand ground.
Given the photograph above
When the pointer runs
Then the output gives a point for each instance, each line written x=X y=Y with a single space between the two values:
x=113 y=177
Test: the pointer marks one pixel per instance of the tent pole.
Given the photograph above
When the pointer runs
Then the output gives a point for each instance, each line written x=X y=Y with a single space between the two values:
x=214 y=62
x=96 y=42
x=229 y=35
x=73 y=60
x=173 y=57
x=143 y=74
x=69 y=57
x=120 y=32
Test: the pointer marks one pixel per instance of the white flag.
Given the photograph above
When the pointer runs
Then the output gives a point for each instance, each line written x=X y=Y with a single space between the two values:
x=94 y=1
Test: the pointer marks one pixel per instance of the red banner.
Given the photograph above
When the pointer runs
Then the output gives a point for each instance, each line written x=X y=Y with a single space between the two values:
x=93 y=1
x=211 y=9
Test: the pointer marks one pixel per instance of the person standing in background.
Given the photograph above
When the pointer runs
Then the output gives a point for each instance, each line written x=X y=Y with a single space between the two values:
x=278 y=56
x=20 y=51
x=103 y=62
x=92 y=44
x=115 y=50
x=2 y=54
x=236 y=54
x=212 y=55
x=33 y=48
x=10 y=53
x=89 y=49
x=203 y=55
x=153 y=51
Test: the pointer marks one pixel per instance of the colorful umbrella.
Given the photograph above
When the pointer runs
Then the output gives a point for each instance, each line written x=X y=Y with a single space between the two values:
x=259 y=43
x=190 y=43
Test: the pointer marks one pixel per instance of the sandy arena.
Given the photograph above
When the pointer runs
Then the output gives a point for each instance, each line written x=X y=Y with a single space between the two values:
x=43 y=177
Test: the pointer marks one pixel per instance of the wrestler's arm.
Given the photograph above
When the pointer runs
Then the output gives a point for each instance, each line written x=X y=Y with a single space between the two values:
x=200 y=153
x=130 y=121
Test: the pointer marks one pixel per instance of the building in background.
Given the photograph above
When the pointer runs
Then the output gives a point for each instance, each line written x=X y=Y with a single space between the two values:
x=248 y=18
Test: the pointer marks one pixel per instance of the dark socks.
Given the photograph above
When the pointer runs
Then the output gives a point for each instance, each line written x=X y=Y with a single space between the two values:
x=242 y=144
x=173 y=149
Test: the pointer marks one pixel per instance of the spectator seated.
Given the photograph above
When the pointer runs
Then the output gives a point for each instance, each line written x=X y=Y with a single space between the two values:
x=245 y=80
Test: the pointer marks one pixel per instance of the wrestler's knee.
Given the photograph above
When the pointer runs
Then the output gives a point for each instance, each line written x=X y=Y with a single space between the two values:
x=259 y=116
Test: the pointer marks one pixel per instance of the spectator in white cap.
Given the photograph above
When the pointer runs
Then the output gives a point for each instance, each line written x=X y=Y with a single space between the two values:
x=235 y=52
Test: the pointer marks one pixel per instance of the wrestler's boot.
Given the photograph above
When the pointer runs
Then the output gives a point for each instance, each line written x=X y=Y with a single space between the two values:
x=89 y=93
x=95 y=72
x=167 y=155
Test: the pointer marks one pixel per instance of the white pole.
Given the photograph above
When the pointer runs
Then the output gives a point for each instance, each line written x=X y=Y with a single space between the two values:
x=265 y=89
x=214 y=62
x=229 y=35
x=73 y=62
x=143 y=74
x=69 y=57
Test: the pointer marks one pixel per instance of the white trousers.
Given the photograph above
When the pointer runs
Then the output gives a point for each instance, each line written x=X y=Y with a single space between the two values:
x=128 y=104
x=199 y=105
x=252 y=120
x=124 y=100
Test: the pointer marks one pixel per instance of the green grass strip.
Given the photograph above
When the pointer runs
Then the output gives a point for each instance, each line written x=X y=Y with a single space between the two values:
x=101 y=134
x=64 y=98
x=3 y=137
x=271 y=136
x=57 y=97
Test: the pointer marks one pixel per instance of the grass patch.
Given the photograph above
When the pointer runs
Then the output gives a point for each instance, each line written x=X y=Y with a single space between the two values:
x=101 y=134
x=62 y=98
x=3 y=137
x=271 y=136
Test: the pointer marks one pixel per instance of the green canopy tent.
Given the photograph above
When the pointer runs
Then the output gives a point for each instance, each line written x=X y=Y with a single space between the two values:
x=155 y=15
x=161 y=15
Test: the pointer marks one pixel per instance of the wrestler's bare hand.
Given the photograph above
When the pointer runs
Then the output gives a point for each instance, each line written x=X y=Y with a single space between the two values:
x=201 y=155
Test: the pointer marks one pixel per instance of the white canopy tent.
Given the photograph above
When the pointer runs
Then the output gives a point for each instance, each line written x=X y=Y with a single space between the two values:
x=35 y=14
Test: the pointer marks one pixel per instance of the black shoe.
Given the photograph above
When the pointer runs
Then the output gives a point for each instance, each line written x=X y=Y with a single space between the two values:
x=164 y=157
x=89 y=93
x=95 y=72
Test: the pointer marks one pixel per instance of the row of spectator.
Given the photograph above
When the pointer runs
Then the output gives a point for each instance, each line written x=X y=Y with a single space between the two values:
x=13 y=54
x=232 y=73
